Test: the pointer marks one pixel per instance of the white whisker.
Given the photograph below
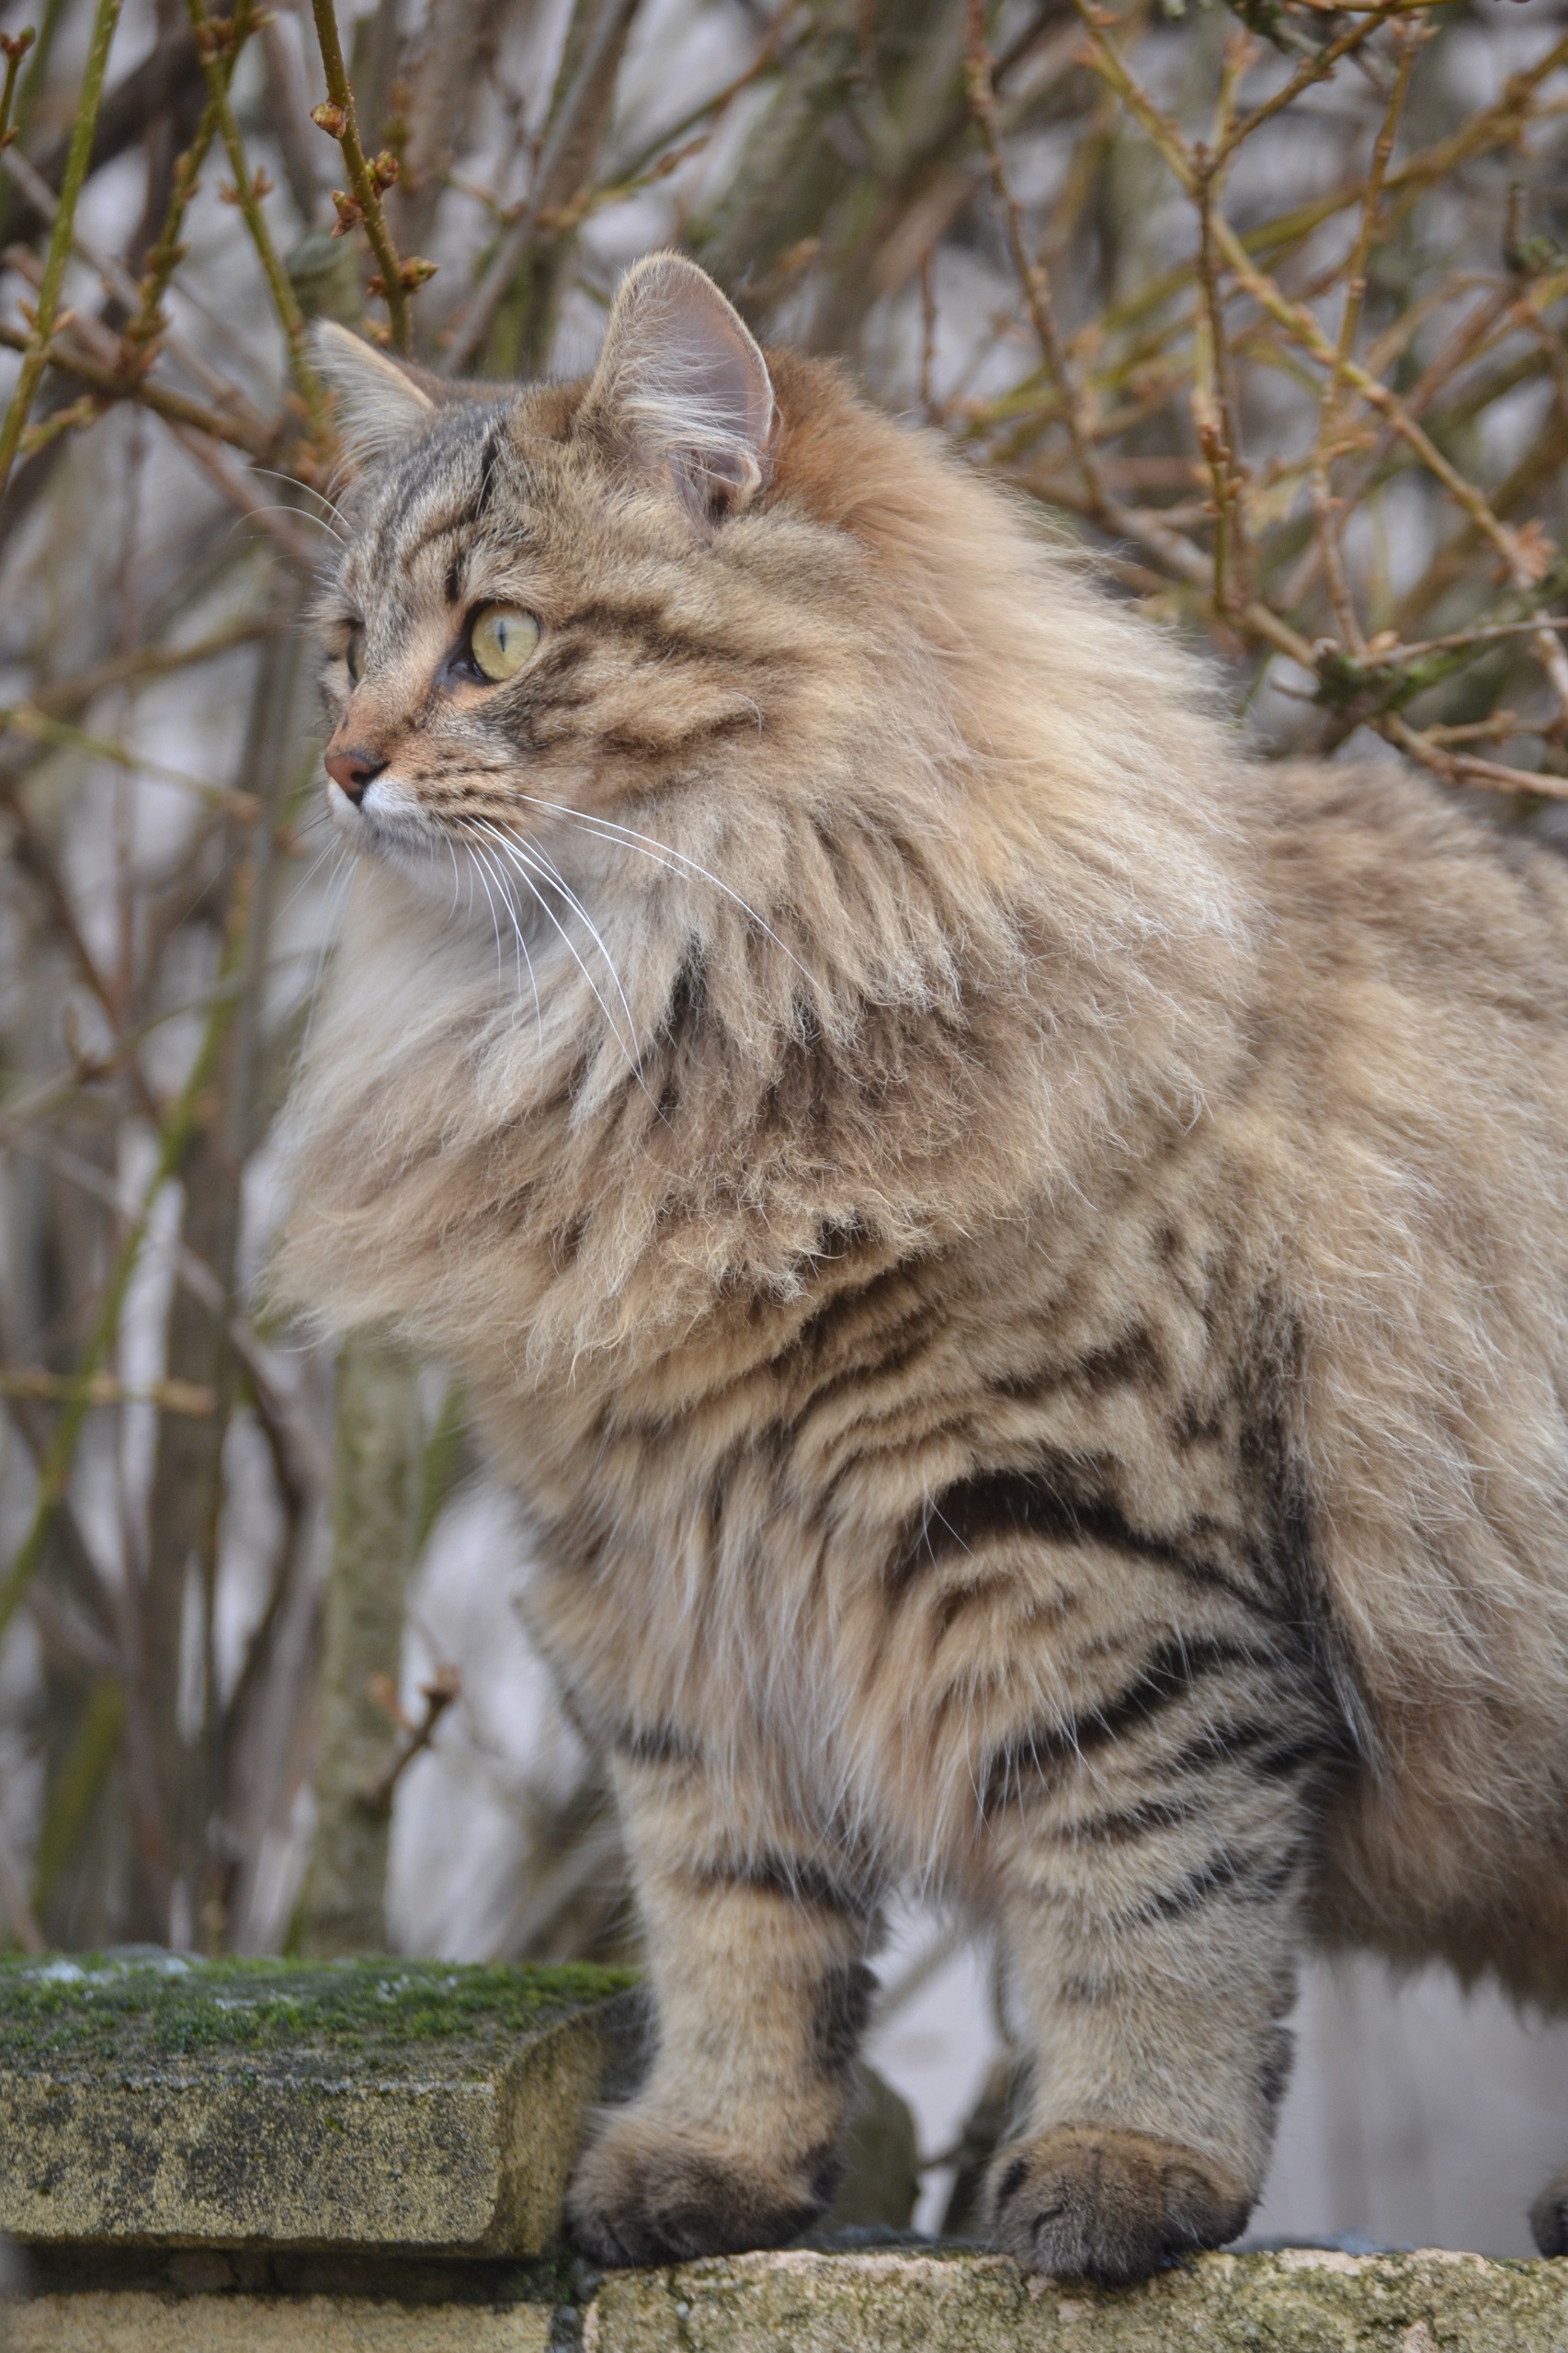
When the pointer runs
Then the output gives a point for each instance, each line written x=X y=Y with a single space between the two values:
x=571 y=946
x=611 y=830
x=295 y=483
x=494 y=918
x=301 y=515
x=523 y=956
x=526 y=851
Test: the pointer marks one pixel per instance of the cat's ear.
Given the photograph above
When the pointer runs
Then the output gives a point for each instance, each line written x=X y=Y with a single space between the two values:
x=681 y=393
x=378 y=403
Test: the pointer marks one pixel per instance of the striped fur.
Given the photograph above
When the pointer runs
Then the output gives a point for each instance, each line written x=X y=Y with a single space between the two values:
x=1017 y=1260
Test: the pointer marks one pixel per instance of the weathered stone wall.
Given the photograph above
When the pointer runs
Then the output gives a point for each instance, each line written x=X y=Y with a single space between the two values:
x=871 y=2301
x=370 y=2158
x=1300 y=2302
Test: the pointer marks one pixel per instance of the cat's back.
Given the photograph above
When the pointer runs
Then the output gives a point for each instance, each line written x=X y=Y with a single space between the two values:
x=1411 y=1022
x=1409 y=1097
x=1378 y=870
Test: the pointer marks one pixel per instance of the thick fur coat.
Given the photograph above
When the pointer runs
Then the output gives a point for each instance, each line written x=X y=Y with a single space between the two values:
x=1016 y=1259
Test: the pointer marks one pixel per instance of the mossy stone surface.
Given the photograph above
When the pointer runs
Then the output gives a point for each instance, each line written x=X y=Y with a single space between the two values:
x=351 y=2105
x=1300 y=2302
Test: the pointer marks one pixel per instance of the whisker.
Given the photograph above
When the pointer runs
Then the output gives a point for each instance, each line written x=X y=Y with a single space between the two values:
x=611 y=830
x=523 y=955
x=610 y=1017
x=495 y=920
x=311 y=492
x=526 y=851
x=300 y=516
x=319 y=861
x=571 y=947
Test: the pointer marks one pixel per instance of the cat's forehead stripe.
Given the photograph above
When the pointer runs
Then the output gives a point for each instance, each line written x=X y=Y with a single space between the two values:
x=446 y=489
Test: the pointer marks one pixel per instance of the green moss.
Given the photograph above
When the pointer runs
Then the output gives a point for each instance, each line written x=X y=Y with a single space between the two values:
x=93 y=2009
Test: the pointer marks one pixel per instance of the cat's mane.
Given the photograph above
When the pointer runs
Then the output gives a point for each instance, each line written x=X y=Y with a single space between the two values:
x=1028 y=924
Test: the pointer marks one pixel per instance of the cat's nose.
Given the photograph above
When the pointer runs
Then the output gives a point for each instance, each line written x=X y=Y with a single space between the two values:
x=352 y=770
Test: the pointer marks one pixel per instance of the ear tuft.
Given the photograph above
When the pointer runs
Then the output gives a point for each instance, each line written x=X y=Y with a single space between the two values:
x=378 y=403
x=682 y=393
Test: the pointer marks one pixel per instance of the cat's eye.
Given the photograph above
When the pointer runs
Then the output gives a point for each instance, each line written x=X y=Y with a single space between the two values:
x=501 y=641
x=354 y=655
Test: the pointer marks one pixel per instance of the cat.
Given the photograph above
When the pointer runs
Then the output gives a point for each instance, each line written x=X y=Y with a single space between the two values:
x=1015 y=1255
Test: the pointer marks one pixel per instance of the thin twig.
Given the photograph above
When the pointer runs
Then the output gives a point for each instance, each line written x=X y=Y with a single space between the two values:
x=443 y=1687
x=54 y=1471
x=188 y=1397
x=1031 y=274
x=217 y=43
x=1324 y=505
x=35 y=357
x=363 y=207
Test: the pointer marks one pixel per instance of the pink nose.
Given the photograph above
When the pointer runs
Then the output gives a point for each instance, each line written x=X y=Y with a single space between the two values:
x=352 y=770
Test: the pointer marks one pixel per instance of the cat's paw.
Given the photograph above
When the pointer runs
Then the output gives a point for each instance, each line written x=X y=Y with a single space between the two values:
x=1549 y=2216
x=644 y=2193
x=1089 y=2202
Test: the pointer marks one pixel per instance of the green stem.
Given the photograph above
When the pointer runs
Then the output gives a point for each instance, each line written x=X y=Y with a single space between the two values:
x=81 y=1778
x=15 y=53
x=35 y=358
x=36 y=72
x=217 y=49
x=1343 y=682
x=143 y=330
x=366 y=195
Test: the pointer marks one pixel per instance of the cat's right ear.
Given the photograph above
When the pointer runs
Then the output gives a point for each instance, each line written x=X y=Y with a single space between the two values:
x=682 y=395
x=378 y=403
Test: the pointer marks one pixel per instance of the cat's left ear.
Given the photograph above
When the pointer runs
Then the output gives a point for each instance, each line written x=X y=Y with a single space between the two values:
x=682 y=393
x=379 y=404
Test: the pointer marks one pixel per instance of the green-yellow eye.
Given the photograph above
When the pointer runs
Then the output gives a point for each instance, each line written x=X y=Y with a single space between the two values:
x=501 y=640
x=354 y=654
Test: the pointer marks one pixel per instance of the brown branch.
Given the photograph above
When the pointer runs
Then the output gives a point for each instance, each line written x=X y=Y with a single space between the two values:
x=362 y=208
x=444 y=1687
x=1324 y=505
x=105 y=1388
x=34 y=351
x=1032 y=275
x=1458 y=767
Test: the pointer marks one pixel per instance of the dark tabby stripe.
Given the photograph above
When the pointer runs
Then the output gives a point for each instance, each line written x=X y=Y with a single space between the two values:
x=1218 y=1874
x=790 y=1878
x=654 y=1744
x=1123 y=1825
x=1171 y=1672
x=840 y=2007
x=1049 y=1503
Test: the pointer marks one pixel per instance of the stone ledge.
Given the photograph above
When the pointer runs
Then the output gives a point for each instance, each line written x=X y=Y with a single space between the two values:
x=357 y=2106
x=1298 y=2301
x=936 y=2301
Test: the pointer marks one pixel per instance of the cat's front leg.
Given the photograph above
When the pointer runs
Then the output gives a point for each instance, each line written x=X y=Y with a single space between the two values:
x=1151 y=1855
x=757 y=1944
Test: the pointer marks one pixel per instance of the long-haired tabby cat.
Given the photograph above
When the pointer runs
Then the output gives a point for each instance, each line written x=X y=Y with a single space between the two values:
x=1016 y=1259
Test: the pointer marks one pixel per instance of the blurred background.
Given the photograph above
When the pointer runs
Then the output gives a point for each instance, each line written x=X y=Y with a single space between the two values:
x=1263 y=303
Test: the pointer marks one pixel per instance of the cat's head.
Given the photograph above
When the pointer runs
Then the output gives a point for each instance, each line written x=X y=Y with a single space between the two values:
x=622 y=617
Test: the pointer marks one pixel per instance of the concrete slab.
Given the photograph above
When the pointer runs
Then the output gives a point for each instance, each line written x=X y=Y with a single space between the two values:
x=1301 y=2301
x=352 y=2106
